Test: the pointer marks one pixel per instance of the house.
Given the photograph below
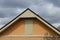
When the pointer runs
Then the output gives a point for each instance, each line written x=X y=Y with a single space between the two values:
x=29 y=26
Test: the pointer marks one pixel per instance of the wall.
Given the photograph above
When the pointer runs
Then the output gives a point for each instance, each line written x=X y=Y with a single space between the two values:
x=18 y=28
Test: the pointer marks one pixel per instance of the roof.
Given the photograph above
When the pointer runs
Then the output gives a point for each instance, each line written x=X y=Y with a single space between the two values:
x=29 y=14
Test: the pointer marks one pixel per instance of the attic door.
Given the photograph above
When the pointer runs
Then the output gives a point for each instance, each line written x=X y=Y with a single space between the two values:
x=28 y=26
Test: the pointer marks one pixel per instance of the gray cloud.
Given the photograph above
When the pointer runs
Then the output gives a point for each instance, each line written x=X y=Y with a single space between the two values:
x=55 y=2
x=7 y=12
x=48 y=9
x=49 y=12
x=16 y=3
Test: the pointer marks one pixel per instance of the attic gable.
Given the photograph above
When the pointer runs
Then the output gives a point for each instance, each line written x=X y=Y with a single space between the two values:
x=29 y=14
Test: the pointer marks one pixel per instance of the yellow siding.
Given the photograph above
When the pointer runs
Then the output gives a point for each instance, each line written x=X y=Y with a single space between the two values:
x=15 y=29
x=40 y=28
x=18 y=28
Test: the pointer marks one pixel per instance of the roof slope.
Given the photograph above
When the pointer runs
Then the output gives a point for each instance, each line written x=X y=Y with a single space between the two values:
x=29 y=14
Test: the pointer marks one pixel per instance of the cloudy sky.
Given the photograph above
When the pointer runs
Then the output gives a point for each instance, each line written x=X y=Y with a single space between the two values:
x=48 y=9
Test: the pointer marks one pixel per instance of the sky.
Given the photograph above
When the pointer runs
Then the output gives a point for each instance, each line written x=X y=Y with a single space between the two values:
x=47 y=9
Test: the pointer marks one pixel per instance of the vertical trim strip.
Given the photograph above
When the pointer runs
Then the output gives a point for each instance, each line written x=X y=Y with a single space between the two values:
x=28 y=26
